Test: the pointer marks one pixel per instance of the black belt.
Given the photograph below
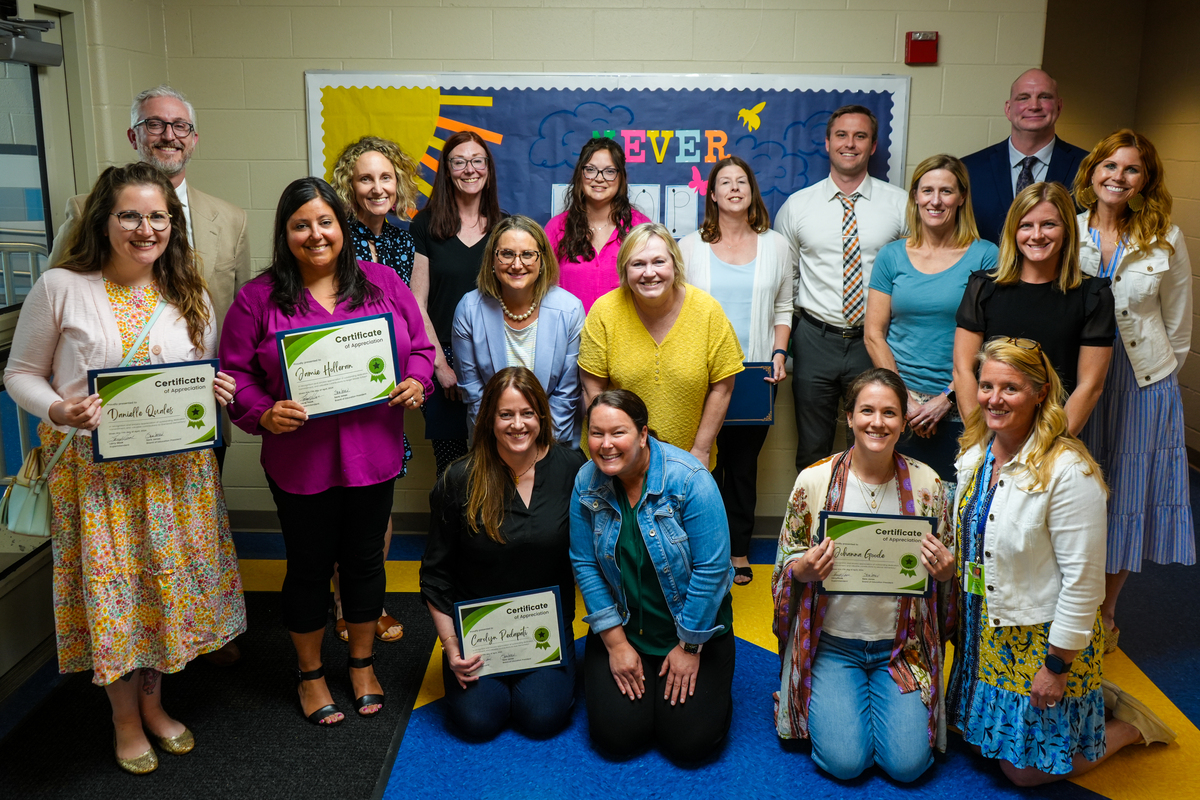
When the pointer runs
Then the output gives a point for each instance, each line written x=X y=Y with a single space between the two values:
x=845 y=333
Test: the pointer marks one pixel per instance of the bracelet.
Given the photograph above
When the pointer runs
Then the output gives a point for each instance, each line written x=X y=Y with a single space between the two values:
x=779 y=352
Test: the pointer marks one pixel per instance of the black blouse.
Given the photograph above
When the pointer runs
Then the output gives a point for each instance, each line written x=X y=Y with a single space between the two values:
x=1060 y=323
x=453 y=268
x=459 y=565
x=393 y=248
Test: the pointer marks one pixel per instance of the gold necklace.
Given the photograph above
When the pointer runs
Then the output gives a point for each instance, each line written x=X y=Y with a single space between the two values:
x=865 y=488
x=517 y=478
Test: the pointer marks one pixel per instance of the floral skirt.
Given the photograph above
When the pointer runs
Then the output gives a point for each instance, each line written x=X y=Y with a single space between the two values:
x=145 y=573
x=988 y=696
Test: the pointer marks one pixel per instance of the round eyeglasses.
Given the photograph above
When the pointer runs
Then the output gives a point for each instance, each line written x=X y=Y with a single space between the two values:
x=609 y=173
x=132 y=220
x=528 y=257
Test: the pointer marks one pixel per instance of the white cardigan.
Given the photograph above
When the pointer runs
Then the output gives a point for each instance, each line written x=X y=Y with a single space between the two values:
x=771 y=303
x=1152 y=290
x=67 y=327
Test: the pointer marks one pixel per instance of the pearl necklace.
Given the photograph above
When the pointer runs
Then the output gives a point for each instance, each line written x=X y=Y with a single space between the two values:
x=878 y=493
x=517 y=317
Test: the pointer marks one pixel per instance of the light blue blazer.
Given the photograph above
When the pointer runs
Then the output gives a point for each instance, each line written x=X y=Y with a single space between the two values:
x=479 y=353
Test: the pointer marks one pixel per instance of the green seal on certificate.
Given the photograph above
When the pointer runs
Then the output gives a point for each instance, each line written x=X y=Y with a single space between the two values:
x=542 y=637
x=908 y=565
x=195 y=415
x=376 y=366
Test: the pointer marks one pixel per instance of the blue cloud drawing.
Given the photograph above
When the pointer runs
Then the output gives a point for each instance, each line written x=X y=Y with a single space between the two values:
x=783 y=165
x=562 y=135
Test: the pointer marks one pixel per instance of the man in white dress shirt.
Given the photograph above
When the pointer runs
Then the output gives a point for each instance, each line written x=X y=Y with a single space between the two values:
x=836 y=226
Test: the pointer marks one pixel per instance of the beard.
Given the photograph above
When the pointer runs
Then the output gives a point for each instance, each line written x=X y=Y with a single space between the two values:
x=152 y=156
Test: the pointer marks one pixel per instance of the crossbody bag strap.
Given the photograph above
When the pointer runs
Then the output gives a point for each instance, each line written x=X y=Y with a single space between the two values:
x=62 y=448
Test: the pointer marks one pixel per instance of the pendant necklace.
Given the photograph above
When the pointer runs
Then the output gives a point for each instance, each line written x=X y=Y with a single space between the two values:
x=877 y=492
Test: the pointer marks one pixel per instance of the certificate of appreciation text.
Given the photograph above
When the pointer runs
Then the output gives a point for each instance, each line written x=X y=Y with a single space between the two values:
x=339 y=367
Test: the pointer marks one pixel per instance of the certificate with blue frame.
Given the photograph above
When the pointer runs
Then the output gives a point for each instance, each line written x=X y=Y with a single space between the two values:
x=340 y=366
x=513 y=632
x=876 y=553
x=753 y=398
x=155 y=410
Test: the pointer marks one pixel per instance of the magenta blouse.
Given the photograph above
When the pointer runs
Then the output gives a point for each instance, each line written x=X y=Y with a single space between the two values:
x=356 y=448
x=588 y=280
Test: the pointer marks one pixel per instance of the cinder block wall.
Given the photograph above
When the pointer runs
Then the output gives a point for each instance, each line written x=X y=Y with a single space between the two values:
x=242 y=66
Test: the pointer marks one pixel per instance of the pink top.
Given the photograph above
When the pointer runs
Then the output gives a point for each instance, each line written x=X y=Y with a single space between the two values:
x=588 y=280
x=356 y=448
x=67 y=327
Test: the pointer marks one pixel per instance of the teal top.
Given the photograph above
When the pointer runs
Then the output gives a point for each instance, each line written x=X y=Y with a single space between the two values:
x=733 y=286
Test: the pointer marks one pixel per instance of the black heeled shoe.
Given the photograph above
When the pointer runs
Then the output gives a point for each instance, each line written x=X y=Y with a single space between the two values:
x=319 y=716
x=367 y=699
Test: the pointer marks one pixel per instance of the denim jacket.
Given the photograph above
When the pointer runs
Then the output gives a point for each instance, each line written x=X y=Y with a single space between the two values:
x=682 y=521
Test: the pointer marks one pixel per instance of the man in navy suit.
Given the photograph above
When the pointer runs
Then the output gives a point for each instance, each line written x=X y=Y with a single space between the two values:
x=1031 y=153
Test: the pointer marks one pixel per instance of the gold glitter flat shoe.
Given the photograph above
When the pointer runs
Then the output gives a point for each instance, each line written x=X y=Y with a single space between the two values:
x=177 y=745
x=144 y=764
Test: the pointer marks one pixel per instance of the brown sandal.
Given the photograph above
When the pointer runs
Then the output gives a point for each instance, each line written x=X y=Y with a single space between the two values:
x=385 y=624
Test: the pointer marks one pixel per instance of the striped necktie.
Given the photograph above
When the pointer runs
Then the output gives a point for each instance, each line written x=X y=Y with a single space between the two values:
x=854 y=299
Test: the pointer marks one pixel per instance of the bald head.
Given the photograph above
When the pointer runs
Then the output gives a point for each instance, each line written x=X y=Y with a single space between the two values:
x=1033 y=105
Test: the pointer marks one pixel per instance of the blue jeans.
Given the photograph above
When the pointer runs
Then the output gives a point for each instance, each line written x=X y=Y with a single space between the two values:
x=537 y=703
x=858 y=717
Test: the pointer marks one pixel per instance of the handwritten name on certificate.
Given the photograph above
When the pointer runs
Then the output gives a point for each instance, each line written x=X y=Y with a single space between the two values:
x=330 y=369
x=513 y=633
x=876 y=553
x=155 y=410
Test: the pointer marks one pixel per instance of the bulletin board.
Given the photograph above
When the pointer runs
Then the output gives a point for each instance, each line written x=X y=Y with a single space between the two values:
x=672 y=128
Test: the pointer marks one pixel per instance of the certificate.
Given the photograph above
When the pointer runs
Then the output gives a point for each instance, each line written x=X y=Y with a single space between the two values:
x=155 y=409
x=513 y=632
x=753 y=399
x=876 y=553
x=333 y=368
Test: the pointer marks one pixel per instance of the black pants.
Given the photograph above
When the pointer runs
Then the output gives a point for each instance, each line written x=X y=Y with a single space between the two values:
x=685 y=732
x=343 y=526
x=736 y=474
x=823 y=365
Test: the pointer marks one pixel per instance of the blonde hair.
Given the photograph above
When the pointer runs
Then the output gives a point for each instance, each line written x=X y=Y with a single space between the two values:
x=405 y=168
x=639 y=236
x=547 y=277
x=1153 y=220
x=966 y=232
x=1048 y=435
x=1008 y=268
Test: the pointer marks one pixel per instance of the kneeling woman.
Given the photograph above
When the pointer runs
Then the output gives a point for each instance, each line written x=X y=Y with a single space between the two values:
x=500 y=525
x=862 y=674
x=650 y=550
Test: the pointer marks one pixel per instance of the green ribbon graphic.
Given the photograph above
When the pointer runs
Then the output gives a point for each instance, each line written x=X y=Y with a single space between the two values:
x=195 y=415
x=542 y=637
x=908 y=565
x=376 y=366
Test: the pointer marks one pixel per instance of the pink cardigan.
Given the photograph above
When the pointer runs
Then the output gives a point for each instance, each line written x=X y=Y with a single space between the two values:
x=67 y=327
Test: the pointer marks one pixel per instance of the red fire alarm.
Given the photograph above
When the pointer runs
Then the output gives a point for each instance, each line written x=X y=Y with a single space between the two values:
x=920 y=47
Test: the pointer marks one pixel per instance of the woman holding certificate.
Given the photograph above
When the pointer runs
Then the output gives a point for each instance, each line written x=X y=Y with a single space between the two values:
x=861 y=673
x=736 y=257
x=499 y=525
x=145 y=574
x=1026 y=685
x=519 y=317
x=331 y=475
x=650 y=550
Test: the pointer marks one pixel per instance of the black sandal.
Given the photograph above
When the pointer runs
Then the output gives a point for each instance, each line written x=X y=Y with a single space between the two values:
x=319 y=716
x=367 y=699
x=742 y=572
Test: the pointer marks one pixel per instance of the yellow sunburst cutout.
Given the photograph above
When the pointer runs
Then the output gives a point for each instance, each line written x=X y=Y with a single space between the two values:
x=408 y=116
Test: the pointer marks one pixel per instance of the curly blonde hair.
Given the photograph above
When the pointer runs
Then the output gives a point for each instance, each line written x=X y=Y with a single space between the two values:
x=406 y=172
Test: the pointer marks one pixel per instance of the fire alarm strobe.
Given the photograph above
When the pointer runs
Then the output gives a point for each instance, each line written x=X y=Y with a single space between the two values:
x=921 y=47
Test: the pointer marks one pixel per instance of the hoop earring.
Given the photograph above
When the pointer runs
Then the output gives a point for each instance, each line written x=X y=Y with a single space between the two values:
x=1137 y=203
x=1087 y=197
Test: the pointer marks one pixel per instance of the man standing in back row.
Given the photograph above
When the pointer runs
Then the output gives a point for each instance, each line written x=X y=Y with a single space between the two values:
x=1032 y=153
x=836 y=227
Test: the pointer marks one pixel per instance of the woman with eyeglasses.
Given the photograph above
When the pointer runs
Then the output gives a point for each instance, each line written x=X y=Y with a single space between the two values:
x=1137 y=429
x=145 y=573
x=451 y=235
x=1026 y=686
x=519 y=317
x=1038 y=291
x=587 y=236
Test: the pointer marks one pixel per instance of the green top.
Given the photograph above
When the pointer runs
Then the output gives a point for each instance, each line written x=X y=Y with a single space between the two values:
x=651 y=628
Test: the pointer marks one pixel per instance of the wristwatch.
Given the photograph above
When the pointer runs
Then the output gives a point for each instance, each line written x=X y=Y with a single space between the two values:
x=1057 y=665
x=691 y=649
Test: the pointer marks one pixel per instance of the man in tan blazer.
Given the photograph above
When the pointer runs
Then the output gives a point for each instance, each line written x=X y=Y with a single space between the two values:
x=162 y=131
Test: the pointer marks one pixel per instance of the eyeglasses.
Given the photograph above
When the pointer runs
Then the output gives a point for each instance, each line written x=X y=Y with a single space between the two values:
x=159 y=126
x=609 y=173
x=132 y=220
x=1024 y=344
x=459 y=164
x=528 y=257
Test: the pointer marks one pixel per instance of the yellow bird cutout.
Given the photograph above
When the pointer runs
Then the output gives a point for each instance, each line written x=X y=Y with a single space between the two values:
x=749 y=116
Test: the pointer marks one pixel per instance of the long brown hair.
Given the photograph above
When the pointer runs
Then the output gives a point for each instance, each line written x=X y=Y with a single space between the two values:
x=443 y=199
x=1008 y=267
x=576 y=244
x=756 y=215
x=1153 y=220
x=175 y=272
x=491 y=482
